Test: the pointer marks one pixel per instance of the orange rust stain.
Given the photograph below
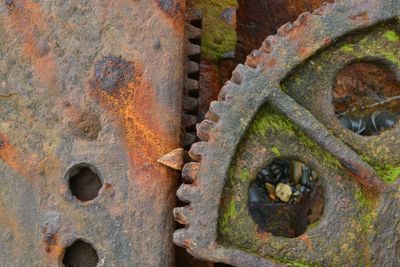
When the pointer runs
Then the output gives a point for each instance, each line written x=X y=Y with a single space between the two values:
x=272 y=63
x=51 y=244
x=28 y=20
x=308 y=241
x=14 y=160
x=263 y=235
x=136 y=108
x=361 y=16
x=304 y=51
x=327 y=41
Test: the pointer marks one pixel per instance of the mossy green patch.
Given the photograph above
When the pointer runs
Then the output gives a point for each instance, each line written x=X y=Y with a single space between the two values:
x=391 y=36
x=218 y=36
x=229 y=214
x=297 y=263
x=268 y=120
x=388 y=172
x=276 y=151
x=348 y=49
x=373 y=46
x=363 y=199
x=244 y=175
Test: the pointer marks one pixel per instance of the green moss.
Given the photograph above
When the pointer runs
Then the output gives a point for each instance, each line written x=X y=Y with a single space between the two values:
x=271 y=122
x=372 y=46
x=297 y=263
x=229 y=214
x=363 y=199
x=388 y=172
x=391 y=36
x=244 y=175
x=276 y=151
x=312 y=226
x=367 y=221
x=317 y=152
x=348 y=49
x=218 y=36
x=274 y=122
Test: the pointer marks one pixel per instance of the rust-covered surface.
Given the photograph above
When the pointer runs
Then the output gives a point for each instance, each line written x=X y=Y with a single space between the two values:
x=279 y=105
x=96 y=83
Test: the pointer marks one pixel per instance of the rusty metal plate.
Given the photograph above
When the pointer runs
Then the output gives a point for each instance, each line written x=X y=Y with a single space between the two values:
x=90 y=98
x=279 y=105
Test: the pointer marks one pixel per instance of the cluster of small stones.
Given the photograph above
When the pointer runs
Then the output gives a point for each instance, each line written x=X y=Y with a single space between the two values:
x=283 y=181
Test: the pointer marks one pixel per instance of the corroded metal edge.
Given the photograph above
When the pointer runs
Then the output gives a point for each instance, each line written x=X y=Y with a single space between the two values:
x=252 y=85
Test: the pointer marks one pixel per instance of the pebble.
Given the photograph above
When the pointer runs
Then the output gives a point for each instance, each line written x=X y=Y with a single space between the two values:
x=271 y=191
x=283 y=192
x=305 y=177
x=256 y=194
x=295 y=171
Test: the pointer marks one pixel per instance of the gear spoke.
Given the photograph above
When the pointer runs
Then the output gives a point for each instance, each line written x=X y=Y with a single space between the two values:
x=361 y=171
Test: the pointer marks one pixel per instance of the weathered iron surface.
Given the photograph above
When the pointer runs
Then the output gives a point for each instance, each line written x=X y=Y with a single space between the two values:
x=277 y=105
x=94 y=82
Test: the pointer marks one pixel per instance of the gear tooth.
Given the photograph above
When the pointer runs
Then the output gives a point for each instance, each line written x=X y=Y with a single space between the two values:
x=189 y=139
x=181 y=238
x=253 y=59
x=203 y=129
x=196 y=150
x=324 y=7
x=189 y=121
x=268 y=44
x=237 y=75
x=191 y=85
x=190 y=103
x=192 y=31
x=192 y=49
x=189 y=172
x=226 y=90
x=192 y=67
x=285 y=29
x=303 y=18
x=187 y=193
x=215 y=111
x=182 y=214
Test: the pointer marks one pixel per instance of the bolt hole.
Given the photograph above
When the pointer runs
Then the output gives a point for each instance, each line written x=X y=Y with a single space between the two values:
x=84 y=182
x=285 y=198
x=366 y=97
x=80 y=254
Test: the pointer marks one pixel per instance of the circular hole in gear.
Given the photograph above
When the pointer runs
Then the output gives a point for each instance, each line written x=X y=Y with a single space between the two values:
x=366 y=97
x=285 y=198
x=84 y=183
x=80 y=254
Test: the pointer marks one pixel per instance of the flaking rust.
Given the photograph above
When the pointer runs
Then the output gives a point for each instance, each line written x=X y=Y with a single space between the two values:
x=89 y=87
x=113 y=73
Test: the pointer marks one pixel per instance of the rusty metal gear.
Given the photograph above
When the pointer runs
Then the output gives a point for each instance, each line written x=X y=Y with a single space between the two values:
x=360 y=224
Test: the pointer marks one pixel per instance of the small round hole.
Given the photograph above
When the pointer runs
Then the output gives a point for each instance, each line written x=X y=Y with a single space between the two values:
x=84 y=183
x=285 y=198
x=80 y=254
x=366 y=97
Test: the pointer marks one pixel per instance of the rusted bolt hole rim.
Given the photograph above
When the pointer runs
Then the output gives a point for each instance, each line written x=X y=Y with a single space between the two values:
x=80 y=252
x=85 y=183
x=355 y=124
x=286 y=197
